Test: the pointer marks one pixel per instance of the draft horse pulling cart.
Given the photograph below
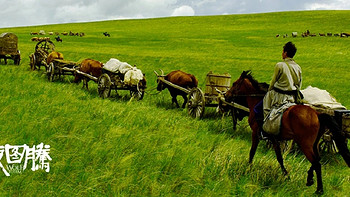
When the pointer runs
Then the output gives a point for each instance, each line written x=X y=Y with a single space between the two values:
x=216 y=84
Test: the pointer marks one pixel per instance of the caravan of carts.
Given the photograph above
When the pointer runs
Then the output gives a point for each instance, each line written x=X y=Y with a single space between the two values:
x=216 y=85
x=57 y=68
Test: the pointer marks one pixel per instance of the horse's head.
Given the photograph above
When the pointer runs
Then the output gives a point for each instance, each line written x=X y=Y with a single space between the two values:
x=160 y=84
x=245 y=86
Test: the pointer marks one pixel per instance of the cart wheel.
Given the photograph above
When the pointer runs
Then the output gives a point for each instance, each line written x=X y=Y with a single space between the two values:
x=45 y=45
x=32 y=61
x=104 y=86
x=137 y=93
x=50 y=72
x=327 y=144
x=196 y=103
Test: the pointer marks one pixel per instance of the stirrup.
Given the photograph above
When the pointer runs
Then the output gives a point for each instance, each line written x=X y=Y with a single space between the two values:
x=263 y=135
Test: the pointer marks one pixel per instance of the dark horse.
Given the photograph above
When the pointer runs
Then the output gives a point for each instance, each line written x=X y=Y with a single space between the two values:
x=300 y=123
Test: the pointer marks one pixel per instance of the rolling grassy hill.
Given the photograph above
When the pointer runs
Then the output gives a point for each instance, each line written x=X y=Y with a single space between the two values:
x=116 y=147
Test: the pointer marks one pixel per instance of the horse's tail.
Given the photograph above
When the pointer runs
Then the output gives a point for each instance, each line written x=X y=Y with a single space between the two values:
x=332 y=125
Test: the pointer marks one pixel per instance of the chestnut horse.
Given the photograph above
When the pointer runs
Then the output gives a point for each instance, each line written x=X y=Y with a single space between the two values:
x=300 y=123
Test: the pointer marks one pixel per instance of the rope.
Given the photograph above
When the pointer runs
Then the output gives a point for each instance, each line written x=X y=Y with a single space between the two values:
x=147 y=92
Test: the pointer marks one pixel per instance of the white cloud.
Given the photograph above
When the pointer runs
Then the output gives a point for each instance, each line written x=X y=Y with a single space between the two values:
x=184 y=10
x=40 y=12
x=330 y=5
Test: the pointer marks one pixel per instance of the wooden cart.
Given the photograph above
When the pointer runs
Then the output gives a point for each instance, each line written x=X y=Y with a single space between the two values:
x=115 y=80
x=58 y=68
x=198 y=100
x=39 y=57
x=9 y=48
x=342 y=117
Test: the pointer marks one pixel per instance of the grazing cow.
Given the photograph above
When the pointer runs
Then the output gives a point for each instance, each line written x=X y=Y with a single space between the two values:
x=91 y=67
x=321 y=34
x=294 y=34
x=179 y=78
x=54 y=55
x=35 y=39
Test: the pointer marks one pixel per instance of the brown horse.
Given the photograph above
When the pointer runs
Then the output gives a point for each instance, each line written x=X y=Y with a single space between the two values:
x=181 y=79
x=299 y=122
x=91 y=67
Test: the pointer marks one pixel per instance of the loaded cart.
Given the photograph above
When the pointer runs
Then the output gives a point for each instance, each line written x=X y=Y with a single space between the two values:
x=121 y=76
x=9 y=48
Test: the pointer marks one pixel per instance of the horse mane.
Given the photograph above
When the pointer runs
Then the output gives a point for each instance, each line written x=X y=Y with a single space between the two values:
x=261 y=87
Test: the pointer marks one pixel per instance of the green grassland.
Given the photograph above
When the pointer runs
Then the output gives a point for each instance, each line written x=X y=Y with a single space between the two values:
x=106 y=147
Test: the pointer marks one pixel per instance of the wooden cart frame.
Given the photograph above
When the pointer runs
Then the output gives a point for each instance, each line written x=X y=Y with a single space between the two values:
x=39 y=57
x=114 y=81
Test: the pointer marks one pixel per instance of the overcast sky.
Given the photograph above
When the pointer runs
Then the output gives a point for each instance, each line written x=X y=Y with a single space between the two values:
x=39 y=12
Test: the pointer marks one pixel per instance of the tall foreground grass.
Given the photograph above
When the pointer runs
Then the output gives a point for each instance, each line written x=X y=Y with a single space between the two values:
x=116 y=147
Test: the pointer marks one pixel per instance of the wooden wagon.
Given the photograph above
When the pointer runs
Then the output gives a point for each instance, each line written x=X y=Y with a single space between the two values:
x=39 y=57
x=198 y=100
x=58 y=68
x=9 y=48
x=342 y=117
x=115 y=81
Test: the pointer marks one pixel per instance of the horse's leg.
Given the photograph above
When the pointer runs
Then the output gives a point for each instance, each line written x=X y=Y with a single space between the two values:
x=174 y=100
x=185 y=100
x=312 y=155
x=310 y=176
x=317 y=166
x=255 y=143
x=277 y=148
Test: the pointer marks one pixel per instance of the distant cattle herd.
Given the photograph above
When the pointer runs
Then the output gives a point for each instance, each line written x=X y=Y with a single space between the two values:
x=58 y=39
x=309 y=34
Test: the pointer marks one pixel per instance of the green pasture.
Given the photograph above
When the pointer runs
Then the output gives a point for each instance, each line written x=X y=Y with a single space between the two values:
x=118 y=147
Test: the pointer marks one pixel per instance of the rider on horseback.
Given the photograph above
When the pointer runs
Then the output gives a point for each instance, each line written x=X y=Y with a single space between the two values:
x=285 y=84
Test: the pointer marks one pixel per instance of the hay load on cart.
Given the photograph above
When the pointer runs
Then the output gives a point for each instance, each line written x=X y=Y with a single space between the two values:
x=9 y=48
x=119 y=75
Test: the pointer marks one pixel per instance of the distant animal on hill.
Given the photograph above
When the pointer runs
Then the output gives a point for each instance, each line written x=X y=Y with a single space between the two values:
x=321 y=34
x=179 y=78
x=91 y=67
x=58 y=39
x=53 y=55
x=294 y=34
x=345 y=34
x=106 y=34
x=35 y=39
x=34 y=33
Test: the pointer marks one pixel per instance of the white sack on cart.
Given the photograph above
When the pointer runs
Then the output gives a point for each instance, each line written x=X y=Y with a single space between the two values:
x=320 y=98
x=133 y=76
x=112 y=65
